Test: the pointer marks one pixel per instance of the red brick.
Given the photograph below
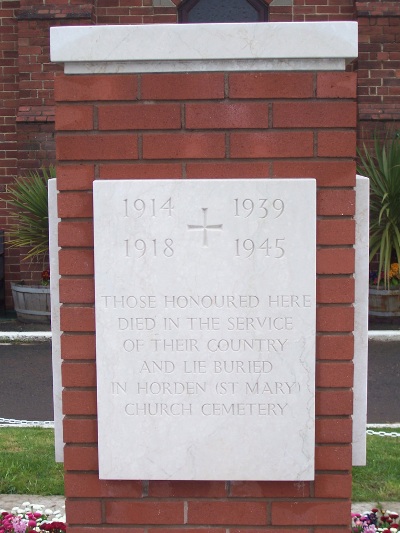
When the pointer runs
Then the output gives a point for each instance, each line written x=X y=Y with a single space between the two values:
x=337 y=318
x=79 y=402
x=271 y=144
x=333 y=430
x=314 y=114
x=77 y=319
x=79 y=430
x=335 y=261
x=187 y=489
x=337 y=85
x=76 y=262
x=75 y=234
x=332 y=486
x=332 y=403
x=85 y=529
x=74 y=117
x=338 y=529
x=140 y=117
x=83 y=512
x=310 y=513
x=80 y=458
x=95 y=87
x=269 y=489
x=183 y=145
x=158 y=512
x=226 y=115
x=97 y=147
x=78 y=346
x=271 y=85
x=75 y=177
x=75 y=205
x=220 y=512
x=336 y=202
x=335 y=347
x=78 y=374
x=327 y=173
x=334 y=375
x=228 y=169
x=264 y=530
x=140 y=170
x=335 y=290
x=182 y=86
x=337 y=143
x=336 y=231
x=77 y=290
x=333 y=458
x=90 y=486
x=186 y=530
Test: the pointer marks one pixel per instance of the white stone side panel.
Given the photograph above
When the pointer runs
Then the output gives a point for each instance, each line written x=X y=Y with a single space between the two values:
x=55 y=320
x=205 y=328
x=361 y=323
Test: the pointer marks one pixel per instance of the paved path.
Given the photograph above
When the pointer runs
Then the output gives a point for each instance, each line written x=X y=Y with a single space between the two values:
x=383 y=382
x=26 y=391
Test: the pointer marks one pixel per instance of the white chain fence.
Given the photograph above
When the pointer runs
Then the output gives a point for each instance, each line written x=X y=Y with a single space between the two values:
x=12 y=422
x=371 y=430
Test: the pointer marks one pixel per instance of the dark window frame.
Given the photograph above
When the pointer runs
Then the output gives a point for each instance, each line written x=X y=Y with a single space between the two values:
x=185 y=7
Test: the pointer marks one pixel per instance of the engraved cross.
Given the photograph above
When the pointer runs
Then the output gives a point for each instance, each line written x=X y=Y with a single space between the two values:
x=205 y=227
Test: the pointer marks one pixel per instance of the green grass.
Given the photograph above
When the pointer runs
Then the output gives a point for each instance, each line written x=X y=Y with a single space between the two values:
x=27 y=464
x=380 y=480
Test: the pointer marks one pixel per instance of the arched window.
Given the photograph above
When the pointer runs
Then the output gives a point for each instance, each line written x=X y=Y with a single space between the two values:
x=222 y=11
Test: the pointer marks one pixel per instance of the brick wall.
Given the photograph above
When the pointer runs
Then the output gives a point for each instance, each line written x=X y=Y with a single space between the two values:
x=8 y=111
x=277 y=124
x=378 y=66
x=27 y=109
x=314 y=10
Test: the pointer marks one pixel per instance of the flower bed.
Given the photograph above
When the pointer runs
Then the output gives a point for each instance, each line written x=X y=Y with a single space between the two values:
x=31 y=518
x=36 y=519
x=375 y=521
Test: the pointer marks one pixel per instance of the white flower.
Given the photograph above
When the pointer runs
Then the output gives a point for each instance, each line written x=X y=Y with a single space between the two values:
x=48 y=511
x=26 y=504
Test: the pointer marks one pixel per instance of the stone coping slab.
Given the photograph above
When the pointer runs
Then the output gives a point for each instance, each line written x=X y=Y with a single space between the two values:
x=204 y=47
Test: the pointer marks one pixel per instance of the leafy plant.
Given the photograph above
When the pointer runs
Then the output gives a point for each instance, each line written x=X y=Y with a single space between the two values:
x=382 y=166
x=28 y=199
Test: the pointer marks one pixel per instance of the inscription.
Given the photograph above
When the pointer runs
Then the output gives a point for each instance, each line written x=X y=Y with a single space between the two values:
x=205 y=228
x=269 y=248
x=152 y=206
x=205 y=329
x=261 y=207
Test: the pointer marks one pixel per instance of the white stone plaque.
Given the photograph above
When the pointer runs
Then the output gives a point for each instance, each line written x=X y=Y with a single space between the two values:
x=205 y=325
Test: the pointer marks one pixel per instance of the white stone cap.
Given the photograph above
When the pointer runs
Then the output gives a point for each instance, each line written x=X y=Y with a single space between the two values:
x=205 y=47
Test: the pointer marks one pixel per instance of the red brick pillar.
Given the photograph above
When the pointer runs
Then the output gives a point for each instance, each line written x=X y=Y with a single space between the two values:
x=188 y=125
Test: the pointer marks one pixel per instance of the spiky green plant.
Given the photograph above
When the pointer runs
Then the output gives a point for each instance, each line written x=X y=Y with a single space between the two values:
x=28 y=199
x=382 y=166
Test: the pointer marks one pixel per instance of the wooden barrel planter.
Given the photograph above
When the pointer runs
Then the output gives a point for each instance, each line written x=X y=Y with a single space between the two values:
x=384 y=303
x=32 y=303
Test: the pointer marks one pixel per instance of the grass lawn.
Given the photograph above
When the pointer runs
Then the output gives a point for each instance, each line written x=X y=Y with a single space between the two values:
x=380 y=480
x=27 y=466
